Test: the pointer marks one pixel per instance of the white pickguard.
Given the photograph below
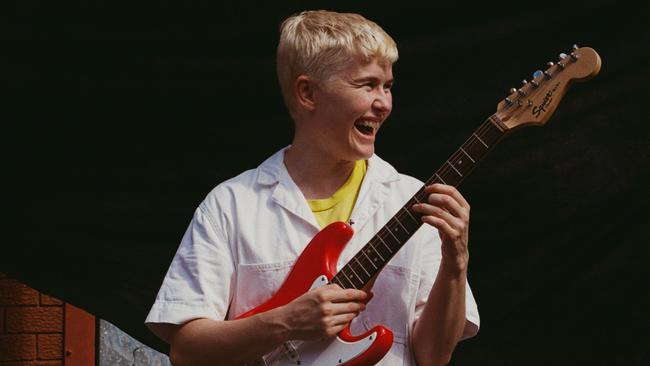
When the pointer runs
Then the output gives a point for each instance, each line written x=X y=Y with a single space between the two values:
x=331 y=351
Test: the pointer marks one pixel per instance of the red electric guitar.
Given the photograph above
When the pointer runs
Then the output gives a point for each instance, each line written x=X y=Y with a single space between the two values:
x=532 y=104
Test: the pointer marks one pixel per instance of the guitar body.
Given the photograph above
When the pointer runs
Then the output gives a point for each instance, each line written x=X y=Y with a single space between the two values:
x=314 y=268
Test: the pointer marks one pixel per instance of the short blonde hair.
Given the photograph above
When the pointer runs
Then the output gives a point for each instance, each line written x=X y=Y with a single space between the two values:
x=320 y=43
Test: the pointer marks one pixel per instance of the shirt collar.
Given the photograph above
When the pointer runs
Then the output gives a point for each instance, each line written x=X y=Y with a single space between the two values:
x=273 y=170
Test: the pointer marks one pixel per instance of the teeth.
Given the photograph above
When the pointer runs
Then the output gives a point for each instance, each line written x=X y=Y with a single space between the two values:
x=369 y=124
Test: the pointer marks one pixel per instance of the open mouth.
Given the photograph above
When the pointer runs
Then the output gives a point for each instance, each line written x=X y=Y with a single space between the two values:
x=367 y=128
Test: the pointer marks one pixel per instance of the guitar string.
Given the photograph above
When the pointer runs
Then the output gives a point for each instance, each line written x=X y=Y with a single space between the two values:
x=355 y=263
x=401 y=215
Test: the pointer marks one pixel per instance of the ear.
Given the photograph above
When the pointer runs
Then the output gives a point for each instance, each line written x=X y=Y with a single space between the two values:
x=304 y=92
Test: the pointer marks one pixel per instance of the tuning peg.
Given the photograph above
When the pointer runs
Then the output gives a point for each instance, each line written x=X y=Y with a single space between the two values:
x=535 y=83
x=537 y=74
x=524 y=81
x=550 y=63
x=521 y=92
x=508 y=101
x=561 y=65
x=574 y=56
x=574 y=47
x=563 y=56
x=513 y=90
x=547 y=74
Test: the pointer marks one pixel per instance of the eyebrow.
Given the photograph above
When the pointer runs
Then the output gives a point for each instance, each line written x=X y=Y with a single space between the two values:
x=370 y=78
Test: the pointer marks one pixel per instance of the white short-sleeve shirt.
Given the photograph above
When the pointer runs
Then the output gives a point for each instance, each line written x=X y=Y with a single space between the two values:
x=247 y=233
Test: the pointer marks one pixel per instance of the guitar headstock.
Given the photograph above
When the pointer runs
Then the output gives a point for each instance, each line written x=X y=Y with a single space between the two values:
x=535 y=101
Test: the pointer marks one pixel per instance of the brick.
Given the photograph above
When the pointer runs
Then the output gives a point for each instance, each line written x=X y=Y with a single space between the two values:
x=15 y=293
x=32 y=363
x=34 y=319
x=48 y=363
x=50 y=346
x=17 y=347
x=49 y=300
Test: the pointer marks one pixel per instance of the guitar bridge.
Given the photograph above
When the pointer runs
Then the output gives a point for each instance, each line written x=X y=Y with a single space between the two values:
x=291 y=353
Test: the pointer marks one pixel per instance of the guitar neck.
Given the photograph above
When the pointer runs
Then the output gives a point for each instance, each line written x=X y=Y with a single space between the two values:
x=370 y=260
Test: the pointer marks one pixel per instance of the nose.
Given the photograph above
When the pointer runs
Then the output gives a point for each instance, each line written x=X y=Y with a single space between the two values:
x=383 y=102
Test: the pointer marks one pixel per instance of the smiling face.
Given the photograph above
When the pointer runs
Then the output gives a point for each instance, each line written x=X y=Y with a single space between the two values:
x=349 y=108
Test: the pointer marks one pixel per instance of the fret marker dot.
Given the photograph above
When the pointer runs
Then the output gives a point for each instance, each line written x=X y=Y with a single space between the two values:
x=460 y=162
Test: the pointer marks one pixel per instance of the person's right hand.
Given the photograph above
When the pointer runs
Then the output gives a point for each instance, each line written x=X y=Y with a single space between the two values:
x=322 y=312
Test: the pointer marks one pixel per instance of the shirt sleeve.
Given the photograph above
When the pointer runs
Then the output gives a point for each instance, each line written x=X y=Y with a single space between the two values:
x=431 y=257
x=199 y=281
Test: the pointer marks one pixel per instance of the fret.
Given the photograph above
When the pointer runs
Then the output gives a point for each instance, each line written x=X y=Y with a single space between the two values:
x=422 y=196
x=390 y=231
x=408 y=211
x=454 y=168
x=354 y=272
x=462 y=163
x=383 y=242
x=484 y=144
x=376 y=251
x=475 y=148
x=440 y=178
x=371 y=261
x=400 y=224
x=466 y=154
x=451 y=178
x=341 y=279
x=399 y=230
x=335 y=280
x=361 y=265
x=350 y=278
x=493 y=132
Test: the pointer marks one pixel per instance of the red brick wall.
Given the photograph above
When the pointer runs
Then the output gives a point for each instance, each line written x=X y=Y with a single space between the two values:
x=31 y=326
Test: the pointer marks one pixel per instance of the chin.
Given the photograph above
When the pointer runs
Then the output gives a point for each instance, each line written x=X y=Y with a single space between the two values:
x=364 y=153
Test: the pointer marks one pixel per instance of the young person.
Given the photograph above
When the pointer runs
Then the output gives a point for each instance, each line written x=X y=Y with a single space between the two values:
x=335 y=71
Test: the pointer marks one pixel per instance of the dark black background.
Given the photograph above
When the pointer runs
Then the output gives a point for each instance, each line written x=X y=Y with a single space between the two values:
x=120 y=118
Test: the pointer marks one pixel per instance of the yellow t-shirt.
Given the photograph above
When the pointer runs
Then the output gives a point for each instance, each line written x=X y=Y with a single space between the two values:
x=339 y=206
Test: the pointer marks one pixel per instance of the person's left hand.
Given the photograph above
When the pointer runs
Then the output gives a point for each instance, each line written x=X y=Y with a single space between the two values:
x=448 y=211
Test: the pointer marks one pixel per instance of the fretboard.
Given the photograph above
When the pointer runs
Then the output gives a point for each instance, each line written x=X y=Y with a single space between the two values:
x=399 y=229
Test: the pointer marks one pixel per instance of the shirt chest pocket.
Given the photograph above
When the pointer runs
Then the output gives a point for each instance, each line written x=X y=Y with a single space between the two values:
x=390 y=307
x=392 y=302
x=257 y=283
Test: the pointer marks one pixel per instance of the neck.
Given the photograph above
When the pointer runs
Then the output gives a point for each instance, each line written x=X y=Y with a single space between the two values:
x=317 y=174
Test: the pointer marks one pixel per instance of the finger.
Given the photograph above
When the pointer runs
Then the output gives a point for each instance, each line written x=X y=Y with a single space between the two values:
x=441 y=225
x=331 y=286
x=336 y=329
x=347 y=295
x=341 y=319
x=430 y=210
x=449 y=203
x=346 y=308
x=448 y=190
